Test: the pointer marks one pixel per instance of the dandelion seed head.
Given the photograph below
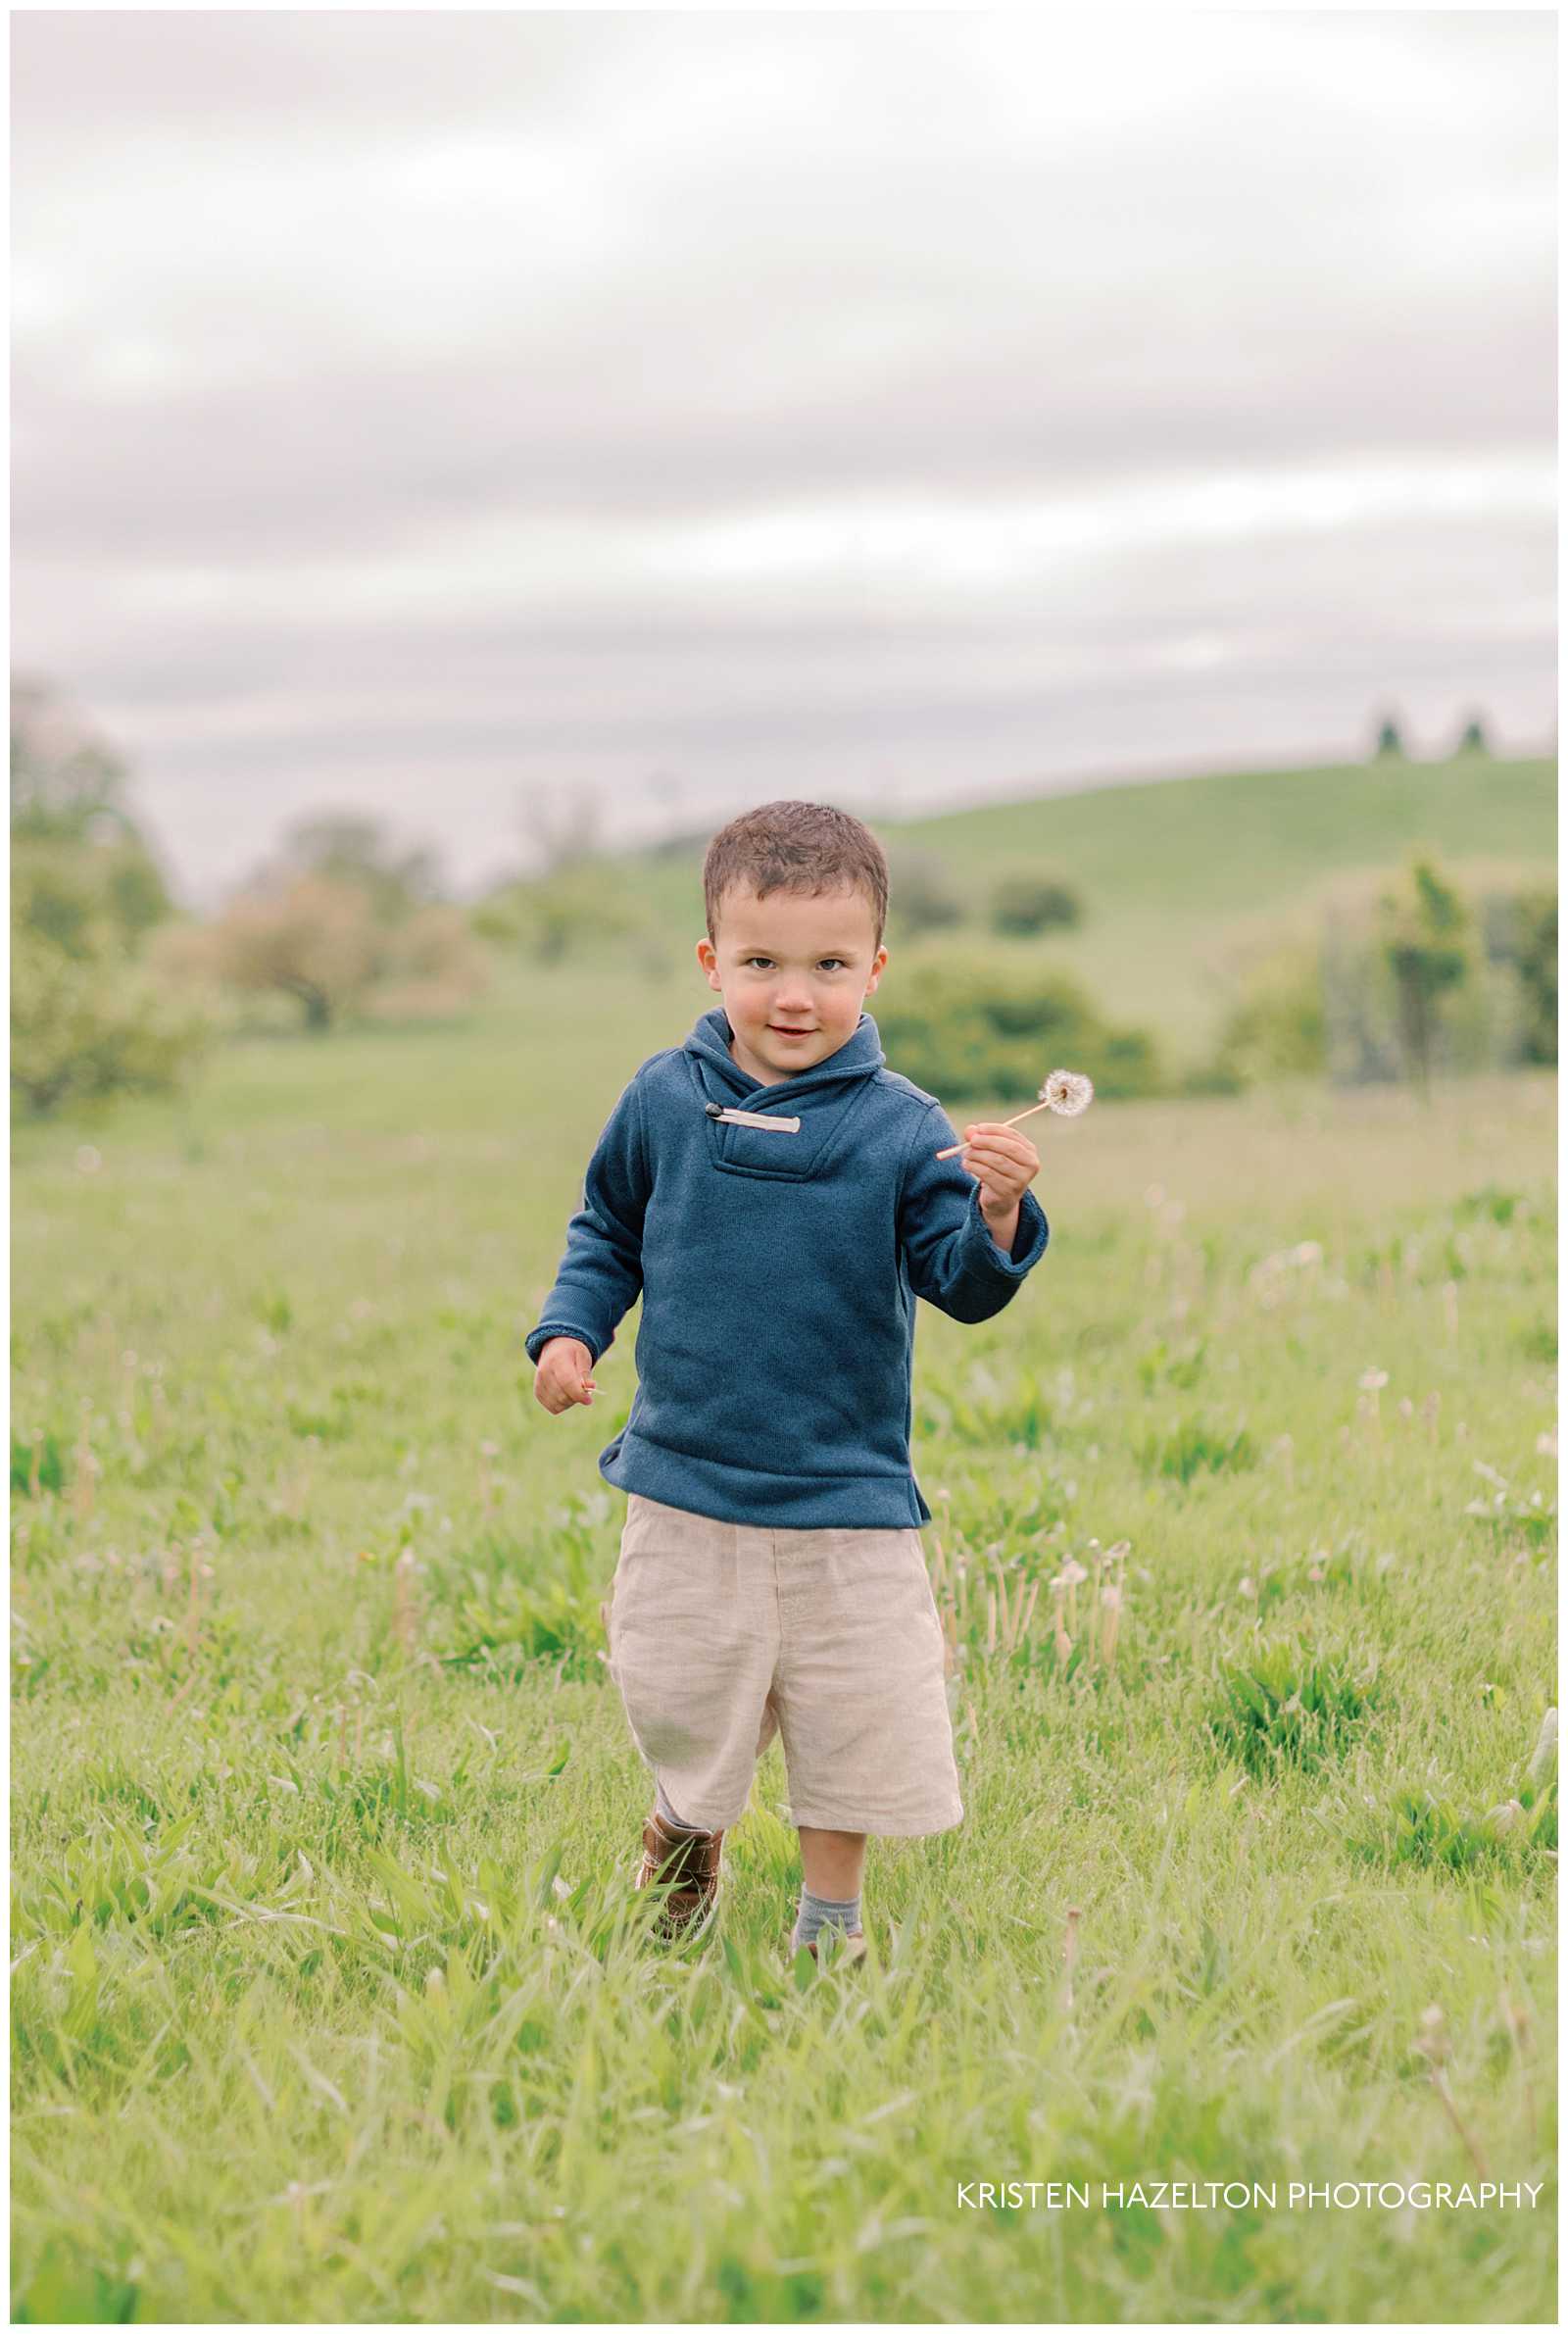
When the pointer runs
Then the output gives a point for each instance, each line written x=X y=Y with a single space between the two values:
x=1067 y=1091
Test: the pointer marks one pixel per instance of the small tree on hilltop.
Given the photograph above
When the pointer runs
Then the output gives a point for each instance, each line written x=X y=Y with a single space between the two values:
x=1390 y=743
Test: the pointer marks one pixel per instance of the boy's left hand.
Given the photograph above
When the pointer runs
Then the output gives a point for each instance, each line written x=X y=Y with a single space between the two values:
x=1004 y=1163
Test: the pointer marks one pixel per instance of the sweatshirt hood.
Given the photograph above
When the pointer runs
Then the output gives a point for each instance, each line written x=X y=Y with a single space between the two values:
x=724 y=1080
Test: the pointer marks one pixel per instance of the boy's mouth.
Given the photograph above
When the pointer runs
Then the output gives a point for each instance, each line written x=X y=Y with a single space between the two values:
x=780 y=1032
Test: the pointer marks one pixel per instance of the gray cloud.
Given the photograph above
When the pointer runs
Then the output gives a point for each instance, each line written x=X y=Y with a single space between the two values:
x=415 y=410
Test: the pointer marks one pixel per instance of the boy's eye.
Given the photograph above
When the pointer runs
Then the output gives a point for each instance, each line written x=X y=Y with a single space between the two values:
x=768 y=960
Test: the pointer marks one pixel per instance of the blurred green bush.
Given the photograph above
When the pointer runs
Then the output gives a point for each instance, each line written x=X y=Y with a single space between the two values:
x=964 y=1025
x=1030 y=903
x=1391 y=975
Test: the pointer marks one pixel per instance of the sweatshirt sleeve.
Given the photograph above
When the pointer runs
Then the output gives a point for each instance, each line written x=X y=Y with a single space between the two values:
x=600 y=1274
x=946 y=1243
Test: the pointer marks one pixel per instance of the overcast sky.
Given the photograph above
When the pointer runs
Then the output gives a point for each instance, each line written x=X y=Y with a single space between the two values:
x=422 y=413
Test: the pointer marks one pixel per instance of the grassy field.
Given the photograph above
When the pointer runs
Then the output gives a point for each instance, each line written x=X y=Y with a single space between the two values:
x=330 y=1997
x=1182 y=879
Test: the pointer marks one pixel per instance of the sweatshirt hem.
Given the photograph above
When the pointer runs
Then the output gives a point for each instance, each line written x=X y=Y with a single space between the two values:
x=752 y=1496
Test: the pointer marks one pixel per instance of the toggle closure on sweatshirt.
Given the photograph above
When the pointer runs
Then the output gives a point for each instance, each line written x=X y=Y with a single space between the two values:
x=735 y=1118
x=779 y=1280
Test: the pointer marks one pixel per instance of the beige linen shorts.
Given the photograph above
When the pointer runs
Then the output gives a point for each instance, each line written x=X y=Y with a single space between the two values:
x=722 y=1635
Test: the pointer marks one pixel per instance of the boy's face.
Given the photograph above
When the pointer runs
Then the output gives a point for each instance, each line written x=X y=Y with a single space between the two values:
x=784 y=964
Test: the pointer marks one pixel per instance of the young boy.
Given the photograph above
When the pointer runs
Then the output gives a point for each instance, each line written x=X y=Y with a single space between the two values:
x=774 y=1194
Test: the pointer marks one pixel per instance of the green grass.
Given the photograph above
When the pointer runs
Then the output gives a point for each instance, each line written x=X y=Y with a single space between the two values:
x=331 y=1998
x=1181 y=878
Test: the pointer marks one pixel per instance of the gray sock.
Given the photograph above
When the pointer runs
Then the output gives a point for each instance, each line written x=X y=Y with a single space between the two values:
x=822 y=1913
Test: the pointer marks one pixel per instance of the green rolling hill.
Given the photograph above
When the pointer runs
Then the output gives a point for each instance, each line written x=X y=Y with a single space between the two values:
x=1179 y=877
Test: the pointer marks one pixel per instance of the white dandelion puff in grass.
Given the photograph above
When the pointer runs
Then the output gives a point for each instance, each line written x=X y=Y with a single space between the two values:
x=1066 y=1091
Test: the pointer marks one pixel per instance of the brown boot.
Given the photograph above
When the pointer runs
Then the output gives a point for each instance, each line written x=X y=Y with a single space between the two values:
x=691 y=1860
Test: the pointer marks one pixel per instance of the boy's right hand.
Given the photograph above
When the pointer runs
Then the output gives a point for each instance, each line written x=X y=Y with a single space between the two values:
x=561 y=1377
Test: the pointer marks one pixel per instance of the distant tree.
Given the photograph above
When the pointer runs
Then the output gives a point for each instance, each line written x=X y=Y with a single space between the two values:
x=426 y=966
x=1473 y=738
x=1422 y=931
x=87 y=899
x=1029 y=904
x=86 y=1030
x=353 y=848
x=311 y=937
x=1536 y=962
x=1390 y=744
x=66 y=784
x=319 y=939
x=576 y=906
x=89 y=1017
x=1276 y=1026
x=562 y=830
x=71 y=822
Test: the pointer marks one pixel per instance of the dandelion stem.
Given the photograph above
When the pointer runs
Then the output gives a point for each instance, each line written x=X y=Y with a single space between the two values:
x=953 y=1149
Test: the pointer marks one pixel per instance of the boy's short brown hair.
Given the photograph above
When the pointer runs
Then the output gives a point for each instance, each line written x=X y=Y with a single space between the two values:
x=803 y=847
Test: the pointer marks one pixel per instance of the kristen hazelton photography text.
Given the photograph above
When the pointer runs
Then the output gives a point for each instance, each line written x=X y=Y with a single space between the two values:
x=1211 y=2195
x=784 y=1055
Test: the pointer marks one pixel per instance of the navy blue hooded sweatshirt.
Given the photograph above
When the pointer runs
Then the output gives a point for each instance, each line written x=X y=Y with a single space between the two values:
x=778 y=1274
